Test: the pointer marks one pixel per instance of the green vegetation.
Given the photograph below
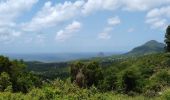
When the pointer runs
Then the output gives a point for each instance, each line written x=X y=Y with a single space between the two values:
x=49 y=70
x=14 y=78
x=136 y=78
x=146 y=75
x=59 y=90
x=86 y=75
x=167 y=39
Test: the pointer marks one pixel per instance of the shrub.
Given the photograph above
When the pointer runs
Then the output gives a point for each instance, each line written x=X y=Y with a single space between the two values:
x=129 y=81
x=166 y=95
x=4 y=81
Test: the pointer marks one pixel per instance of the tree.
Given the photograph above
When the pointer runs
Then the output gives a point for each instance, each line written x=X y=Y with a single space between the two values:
x=14 y=76
x=86 y=74
x=130 y=80
x=80 y=79
x=167 y=39
x=75 y=68
x=4 y=81
x=109 y=81
x=4 y=64
x=93 y=74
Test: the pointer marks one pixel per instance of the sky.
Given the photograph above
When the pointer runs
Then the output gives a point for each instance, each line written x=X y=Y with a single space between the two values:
x=59 y=26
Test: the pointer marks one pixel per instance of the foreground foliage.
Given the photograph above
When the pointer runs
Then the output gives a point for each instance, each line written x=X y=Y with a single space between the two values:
x=59 y=90
x=146 y=75
x=136 y=78
x=167 y=39
x=13 y=76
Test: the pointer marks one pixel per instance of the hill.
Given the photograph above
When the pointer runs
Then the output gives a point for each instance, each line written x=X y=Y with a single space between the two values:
x=61 y=69
x=147 y=48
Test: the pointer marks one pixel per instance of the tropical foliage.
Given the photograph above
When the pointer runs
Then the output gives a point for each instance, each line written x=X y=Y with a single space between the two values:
x=167 y=39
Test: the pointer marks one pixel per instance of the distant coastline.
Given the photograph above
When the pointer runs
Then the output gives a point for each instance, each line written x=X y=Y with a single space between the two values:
x=56 y=57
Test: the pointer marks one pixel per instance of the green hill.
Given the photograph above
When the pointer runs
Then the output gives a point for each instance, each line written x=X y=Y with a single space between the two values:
x=147 y=48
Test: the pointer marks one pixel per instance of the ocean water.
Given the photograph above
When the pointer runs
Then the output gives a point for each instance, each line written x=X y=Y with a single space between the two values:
x=55 y=57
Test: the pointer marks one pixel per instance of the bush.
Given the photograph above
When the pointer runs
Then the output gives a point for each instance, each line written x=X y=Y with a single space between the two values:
x=4 y=81
x=166 y=95
x=128 y=81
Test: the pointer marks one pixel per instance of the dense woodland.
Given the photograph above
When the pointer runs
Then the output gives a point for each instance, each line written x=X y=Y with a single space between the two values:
x=144 y=77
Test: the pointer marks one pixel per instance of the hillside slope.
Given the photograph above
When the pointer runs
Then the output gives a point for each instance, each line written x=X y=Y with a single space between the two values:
x=147 y=48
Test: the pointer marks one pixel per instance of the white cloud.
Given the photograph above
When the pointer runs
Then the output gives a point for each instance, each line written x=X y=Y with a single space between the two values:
x=7 y=34
x=62 y=35
x=38 y=39
x=142 y=5
x=114 y=21
x=158 y=17
x=51 y=15
x=133 y=5
x=104 y=35
x=73 y=27
x=157 y=23
x=130 y=5
x=95 y=5
x=158 y=12
x=10 y=10
x=111 y=22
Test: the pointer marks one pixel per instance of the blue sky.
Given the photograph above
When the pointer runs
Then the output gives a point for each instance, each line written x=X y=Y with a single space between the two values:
x=58 y=26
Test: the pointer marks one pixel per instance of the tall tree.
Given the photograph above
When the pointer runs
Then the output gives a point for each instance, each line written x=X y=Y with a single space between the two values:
x=75 y=68
x=167 y=39
x=86 y=74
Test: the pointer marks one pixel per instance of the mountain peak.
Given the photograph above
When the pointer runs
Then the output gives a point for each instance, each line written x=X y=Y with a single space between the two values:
x=152 y=42
x=151 y=46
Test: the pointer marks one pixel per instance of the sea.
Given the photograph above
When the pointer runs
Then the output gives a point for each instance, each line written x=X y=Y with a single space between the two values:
x=56 y=57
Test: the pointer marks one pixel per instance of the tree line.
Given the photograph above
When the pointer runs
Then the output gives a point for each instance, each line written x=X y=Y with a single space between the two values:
x=14 y=77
